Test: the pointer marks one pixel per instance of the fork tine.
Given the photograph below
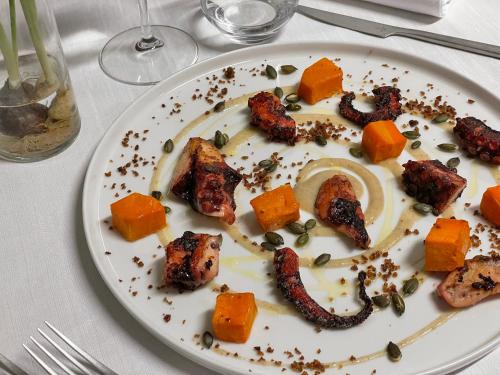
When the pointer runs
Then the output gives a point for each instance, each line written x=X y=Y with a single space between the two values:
x=11 y=366
x=40 y=362
x=52 y=357
x=98 y=365
x=65 y=353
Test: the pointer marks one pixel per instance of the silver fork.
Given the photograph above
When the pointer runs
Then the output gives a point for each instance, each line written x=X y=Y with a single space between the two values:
x=97 y=367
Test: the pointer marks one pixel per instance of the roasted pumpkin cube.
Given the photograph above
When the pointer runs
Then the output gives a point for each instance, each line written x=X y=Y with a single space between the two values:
x=137 y=216
x=490 y=205
x=276 y=208
x=446 y=245
x=233 y=316
x=382 y=140
x=320 y=81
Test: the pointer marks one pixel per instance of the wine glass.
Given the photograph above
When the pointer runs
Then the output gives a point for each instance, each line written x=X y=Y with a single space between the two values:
x=146 y=54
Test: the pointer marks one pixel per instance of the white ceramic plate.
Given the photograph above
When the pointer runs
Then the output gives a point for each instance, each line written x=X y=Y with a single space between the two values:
x=463 y=338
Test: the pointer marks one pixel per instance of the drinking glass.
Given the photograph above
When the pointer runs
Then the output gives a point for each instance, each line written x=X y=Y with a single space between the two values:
x=146 y=54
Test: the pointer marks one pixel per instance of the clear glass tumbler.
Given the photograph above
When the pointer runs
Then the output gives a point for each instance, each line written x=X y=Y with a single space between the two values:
x=38 y=114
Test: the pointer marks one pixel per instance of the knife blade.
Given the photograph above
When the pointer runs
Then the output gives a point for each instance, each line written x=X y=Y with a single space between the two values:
x=383 y=31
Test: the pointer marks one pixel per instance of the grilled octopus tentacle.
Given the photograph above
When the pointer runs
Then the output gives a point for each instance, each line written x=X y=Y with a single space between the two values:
x=286 y=265
x=387 y=106
x=478 y=139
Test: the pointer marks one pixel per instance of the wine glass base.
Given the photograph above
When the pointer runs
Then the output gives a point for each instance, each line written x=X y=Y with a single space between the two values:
x=120 y=59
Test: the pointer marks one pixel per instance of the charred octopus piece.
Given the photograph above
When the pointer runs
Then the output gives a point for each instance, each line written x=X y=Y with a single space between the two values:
x=203 y=178
x=268 y=113
x=286 y=266
x=192 y=260
x=431 y=182
x=337 y=205
x=478 y=139
x=387 y=106
x=477 y=279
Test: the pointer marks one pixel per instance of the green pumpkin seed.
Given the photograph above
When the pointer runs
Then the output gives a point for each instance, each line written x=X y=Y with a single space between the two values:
x=287 y=69
x=219 y=141
x=292 y=98
x=208 y=339
x=394 y=352
x=356 y=152
x=265 y=163
x=415 y=145
x=447 y=147
x=410 y=286
x=310 y=224
x=453 y=162
x=398 y=303
x=274 y=238
x=271 y=72
x=320 y=140
x=268 y=246
x=278 y=91
x=226 y=138
x=271 y=168
x=293 y=107
x=168 y=147
x=440 y=118
x=167 y=209
x=422 y=208
x=296 y=228
x=381 y=300
x=219 y=107
x=302 y=239
x=322 y=259
x=411 y=134
x=156 y=194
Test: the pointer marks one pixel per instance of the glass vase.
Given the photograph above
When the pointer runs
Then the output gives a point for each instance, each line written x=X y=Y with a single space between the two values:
x=38 y=114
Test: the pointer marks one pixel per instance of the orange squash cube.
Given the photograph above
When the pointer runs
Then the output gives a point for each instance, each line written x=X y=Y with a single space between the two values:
x=233 y=316
x=382 y=140
x=490 y=205
x=276 y=208
x=446 y=245
x=320 y=81
x=137 y=216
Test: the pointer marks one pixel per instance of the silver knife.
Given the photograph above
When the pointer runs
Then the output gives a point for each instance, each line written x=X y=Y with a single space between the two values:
x=384 y=31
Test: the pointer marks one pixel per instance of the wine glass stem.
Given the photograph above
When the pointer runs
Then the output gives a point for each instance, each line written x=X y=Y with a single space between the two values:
x=148 y=41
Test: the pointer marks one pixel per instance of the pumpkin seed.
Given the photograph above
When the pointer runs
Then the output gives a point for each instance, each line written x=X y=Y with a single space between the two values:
x=268 y=246
x=410 y=286
x=422 y=208
x=274 y=238
x=293 y=107
x=167 y=209
x=415 y=145
x=453 y=162
x=219 y=139
x=219 y=107
x=296 y=228
x=310 y=224
x=411 y=134
x=271 y=72
x=271 y=168
x=356 y=152
x=287 y=69
x=381 y=300
x=322 y=259
x=168 y=147
x=320 y=140
x=156 y=194
x=226 y=138
x=442 y=117
x=208 y=339
x=292 y=98
x=394 y=352
x=265 y=163
x=398 y=303
x=302 y=239
x=447 y=147
x=278 y=91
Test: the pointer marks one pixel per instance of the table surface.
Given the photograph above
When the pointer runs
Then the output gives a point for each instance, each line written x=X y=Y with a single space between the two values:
x=46 y=271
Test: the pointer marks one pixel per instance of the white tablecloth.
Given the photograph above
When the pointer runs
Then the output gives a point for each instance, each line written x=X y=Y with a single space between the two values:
x=46 y=271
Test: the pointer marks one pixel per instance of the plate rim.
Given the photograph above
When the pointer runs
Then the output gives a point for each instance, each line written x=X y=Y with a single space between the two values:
x=180 y=348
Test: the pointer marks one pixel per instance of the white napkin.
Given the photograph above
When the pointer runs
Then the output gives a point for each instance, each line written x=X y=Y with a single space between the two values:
x=435 y=8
